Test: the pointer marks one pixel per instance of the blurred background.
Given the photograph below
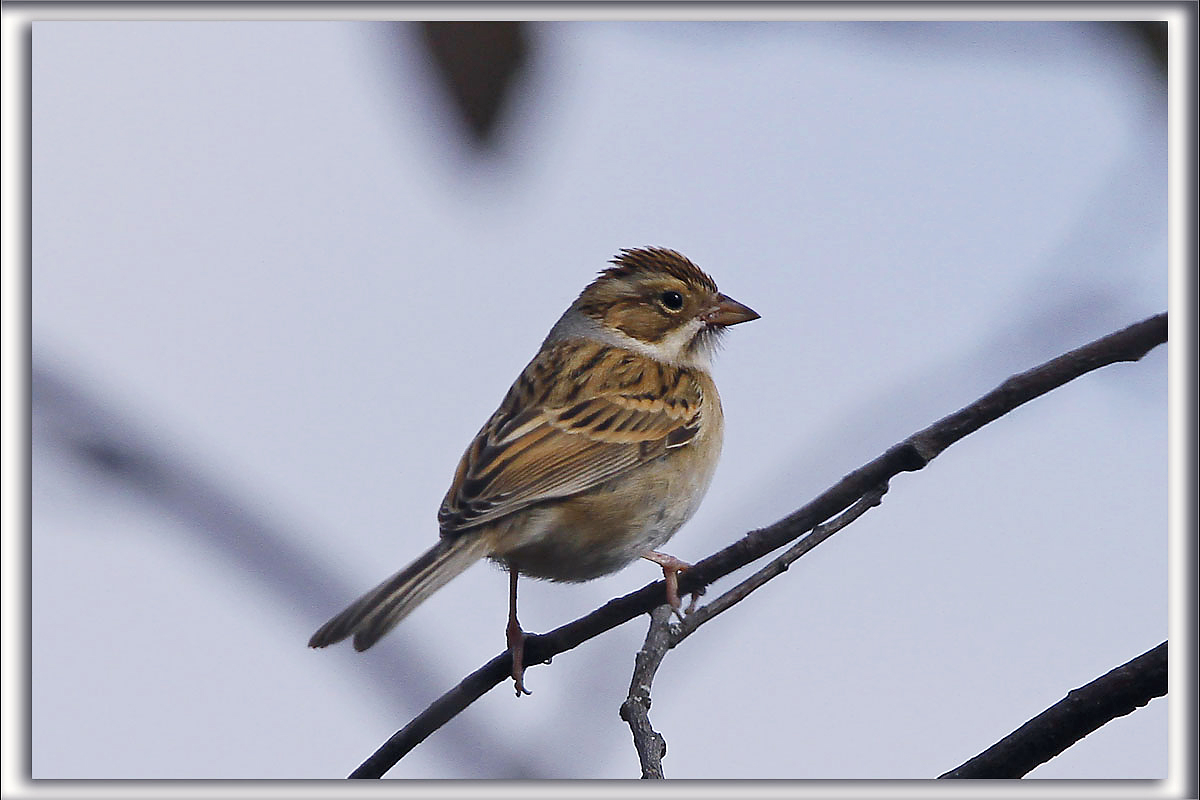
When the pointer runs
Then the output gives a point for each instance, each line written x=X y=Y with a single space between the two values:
x=282 y=272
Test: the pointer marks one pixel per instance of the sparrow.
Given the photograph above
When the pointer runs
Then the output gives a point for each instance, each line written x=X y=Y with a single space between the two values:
x=603 y=447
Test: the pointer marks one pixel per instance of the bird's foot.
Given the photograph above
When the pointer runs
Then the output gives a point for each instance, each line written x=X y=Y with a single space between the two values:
x=516 y=646
x=671 y=567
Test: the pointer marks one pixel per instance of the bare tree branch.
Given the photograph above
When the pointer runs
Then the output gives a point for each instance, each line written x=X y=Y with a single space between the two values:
x=663 y=636
x=776 y=566
x=649 y=743
x=1119 y=692
x=1129 y=344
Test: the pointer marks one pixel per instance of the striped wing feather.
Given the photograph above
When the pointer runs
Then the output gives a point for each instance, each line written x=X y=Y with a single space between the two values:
x=579 y=415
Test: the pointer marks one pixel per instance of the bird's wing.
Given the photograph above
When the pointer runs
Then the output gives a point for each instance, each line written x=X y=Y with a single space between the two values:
x=577 y=416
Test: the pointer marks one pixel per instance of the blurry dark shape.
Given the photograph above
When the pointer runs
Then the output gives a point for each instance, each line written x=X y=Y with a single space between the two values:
x=108 y=456
x=67 y=421
x=478 y=62
x=1153 y=37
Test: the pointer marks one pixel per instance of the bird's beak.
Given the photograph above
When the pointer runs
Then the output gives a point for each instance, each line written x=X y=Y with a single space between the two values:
x=727 y=311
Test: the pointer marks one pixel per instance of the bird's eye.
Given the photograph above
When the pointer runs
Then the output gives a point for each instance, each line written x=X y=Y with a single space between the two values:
x=672 y=301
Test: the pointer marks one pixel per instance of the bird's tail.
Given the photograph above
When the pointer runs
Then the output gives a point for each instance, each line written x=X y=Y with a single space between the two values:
x=378 y=611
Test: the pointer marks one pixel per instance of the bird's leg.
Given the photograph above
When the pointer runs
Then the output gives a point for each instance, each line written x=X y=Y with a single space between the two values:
x=671 y=567
x=515 y=636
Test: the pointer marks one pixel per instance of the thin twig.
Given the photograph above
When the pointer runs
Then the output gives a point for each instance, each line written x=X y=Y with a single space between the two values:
x=776 y=566
x=649 y=743
x=1114 y=694
x=663 y=636
x=1129 y=344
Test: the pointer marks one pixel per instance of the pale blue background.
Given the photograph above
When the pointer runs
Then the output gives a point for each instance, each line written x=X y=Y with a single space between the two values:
x=263 y=249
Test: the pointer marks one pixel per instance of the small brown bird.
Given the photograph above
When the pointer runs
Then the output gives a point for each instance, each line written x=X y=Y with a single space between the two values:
x=600 y=451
